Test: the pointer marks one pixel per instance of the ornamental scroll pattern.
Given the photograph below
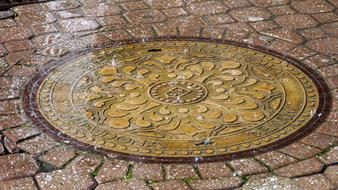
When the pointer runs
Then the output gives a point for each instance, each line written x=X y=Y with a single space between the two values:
x=232 y=96
x=177 y=99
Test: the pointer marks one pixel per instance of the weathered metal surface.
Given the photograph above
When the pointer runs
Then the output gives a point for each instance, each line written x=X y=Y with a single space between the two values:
x=177 y=99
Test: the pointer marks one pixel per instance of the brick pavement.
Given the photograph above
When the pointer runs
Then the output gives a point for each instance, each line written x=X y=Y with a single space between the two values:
x=303 y=29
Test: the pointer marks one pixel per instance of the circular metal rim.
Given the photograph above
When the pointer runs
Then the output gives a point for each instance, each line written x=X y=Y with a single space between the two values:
x=32 y=112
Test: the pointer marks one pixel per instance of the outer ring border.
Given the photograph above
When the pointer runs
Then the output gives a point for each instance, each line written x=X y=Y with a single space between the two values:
x=31 y=109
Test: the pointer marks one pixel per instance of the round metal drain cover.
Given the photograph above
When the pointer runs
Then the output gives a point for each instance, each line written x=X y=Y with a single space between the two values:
x=176 y=100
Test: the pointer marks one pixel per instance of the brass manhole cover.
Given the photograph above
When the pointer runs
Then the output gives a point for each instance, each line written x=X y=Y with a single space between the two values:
x=176 y=100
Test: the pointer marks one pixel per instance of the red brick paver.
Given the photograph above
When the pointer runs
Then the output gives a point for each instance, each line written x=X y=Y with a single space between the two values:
x=305 y=30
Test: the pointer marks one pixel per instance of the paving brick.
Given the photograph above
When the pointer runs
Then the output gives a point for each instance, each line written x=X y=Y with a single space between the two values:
x=162 y=29
x=17 y=166
x=207 y=8
x=141 y=32
x=312 y=6
x=276 y=159
x=8 y=107
x=145 y=16
x=315 y=182
x=301 y=168
x=35 y=18
x=132 y=185
x=66 y=14
x=190 y=30
x=113 y=21
x=10 y=146
x=330 y=157
x=259 y=40
x=58 y=156
x=179 y=171
x=250 y=14
x=300 y=150
x=15 y=57
x=270 y=182
x=34 y=60
x=301 y=52
x=284 y=34
x=3 y=63
x=148 y=172
x=312 y=33
x=60 y=5
x=19 y=184
x=79 y=24
x=246 y=166
x=14 y=34
x=334 y=2
x=37 y=145
x=268 y=3
x=326 y=17
x=101 y=9
x=295 y=21
x=281 y=25
x=3 y=51
x=186 y=21
x=236 y=3
x=331 y=29
x=319 y=140
x=9 y=94
x=327 y=46
x=10 y=121
x=135 y=5
x=19 y=45
x=332 y=174
x=214 y=170
x=220 y=19
x=175 y=12
x=167 y=4
x=76 y=175
x=2 y=148
x=264 y=25
x=6 y=23
x=330 y=71
x=281 y=46
x=318 y=61
x=65 y=179
x=222 y=183
x=52 y=39
x=118 y=35
x=44 y=29
x=213 y=32
x=170 y=185
x=11 y=83
x=86 y=163
x=112 y=171
x=281 y=10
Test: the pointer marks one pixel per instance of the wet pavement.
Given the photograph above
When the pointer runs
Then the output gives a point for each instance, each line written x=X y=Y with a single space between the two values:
x=47 y=34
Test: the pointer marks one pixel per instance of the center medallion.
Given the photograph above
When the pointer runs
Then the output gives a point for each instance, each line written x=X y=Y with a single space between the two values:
x=178 y=92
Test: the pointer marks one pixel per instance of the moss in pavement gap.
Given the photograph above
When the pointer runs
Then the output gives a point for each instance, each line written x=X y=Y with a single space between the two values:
x=245 y=179
x=197 y=171
x=129 y=174
x=263 y=164
x=322 y=152
x=96 y=171
x=189 y=180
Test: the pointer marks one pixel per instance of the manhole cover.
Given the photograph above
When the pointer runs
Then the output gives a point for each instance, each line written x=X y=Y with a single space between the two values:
x=176 y=100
